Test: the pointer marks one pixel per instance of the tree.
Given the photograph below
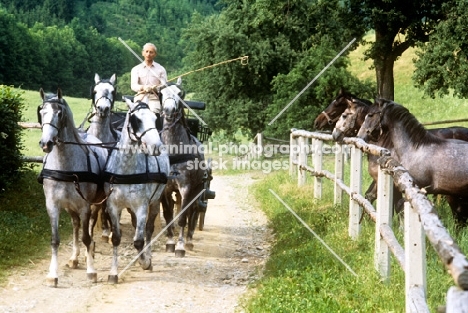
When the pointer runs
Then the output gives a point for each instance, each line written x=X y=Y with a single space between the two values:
x=398 y=25
x=277 y=36
x=442 y=65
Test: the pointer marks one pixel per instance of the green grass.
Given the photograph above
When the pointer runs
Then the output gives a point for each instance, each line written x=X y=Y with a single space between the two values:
x=301 y=274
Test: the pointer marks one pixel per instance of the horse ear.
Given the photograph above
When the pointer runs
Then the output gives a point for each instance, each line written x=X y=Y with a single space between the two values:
x=41 y=92
x=179 y=81
x=129 y=103
x=59 y=93
x=113 y=79
x=97 y=79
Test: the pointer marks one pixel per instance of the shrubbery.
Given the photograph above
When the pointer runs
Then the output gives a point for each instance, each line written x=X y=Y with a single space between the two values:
x=11 y=107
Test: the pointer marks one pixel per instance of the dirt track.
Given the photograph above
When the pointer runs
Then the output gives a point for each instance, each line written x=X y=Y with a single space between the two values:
x=229 y=253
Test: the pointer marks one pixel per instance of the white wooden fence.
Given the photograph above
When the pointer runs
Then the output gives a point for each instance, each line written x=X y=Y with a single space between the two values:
x=421 y=221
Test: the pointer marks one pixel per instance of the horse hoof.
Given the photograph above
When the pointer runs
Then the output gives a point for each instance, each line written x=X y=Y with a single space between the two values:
x=92 y=277
x=112 y=279
x=170 y=247
x=73 y=264
x=149 y=268
x=180 y=253
x=52 y=282
x=189 y=246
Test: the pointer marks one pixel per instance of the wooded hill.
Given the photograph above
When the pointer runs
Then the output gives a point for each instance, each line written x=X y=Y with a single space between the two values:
x=62 y=43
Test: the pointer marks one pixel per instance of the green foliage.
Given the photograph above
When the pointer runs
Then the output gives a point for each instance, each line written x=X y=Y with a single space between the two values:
x=442 y=64
x=11 y=107
x=279 y=39
x=302 y=275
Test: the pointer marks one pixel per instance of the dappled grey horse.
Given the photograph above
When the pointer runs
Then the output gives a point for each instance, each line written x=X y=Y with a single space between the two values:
x=436 y=164
x=70 y=177
x=135 y=176
x=103 y=95
x=189 y=170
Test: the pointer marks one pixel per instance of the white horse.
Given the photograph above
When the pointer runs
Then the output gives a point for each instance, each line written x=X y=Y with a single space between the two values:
x=136 y=175
x=70 y=177
x=103 y=96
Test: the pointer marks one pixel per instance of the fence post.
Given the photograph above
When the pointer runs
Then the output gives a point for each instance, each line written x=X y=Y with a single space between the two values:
x=339 y=169
x=355 y=211
x=415 y=255
x=384 y=216
x=301 y=174
x=259 y=145
x=317 y=145
x=292 y=153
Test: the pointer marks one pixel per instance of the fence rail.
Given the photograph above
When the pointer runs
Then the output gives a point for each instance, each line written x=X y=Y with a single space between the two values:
x=421 y=221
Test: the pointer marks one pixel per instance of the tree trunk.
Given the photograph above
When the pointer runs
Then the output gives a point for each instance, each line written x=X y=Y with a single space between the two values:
x=384 y=74
x=384 y=66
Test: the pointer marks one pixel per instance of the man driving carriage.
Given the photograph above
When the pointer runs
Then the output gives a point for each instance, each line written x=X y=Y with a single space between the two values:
x=146 y=76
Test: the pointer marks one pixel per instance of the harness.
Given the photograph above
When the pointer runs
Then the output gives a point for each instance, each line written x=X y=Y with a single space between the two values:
x=139 y=178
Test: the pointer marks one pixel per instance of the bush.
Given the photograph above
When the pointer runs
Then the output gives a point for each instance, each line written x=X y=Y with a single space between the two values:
x=11 y=107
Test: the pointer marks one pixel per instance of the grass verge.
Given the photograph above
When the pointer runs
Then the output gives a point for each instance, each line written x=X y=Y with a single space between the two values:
x=302 y=275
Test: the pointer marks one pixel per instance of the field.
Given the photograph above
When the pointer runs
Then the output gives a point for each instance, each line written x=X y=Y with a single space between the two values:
x=301 y=275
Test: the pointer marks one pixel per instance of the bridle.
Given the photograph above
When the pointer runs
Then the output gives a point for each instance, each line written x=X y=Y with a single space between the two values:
x=130 y=130
x=331 y=121
x=111 y=100
x=39 y=117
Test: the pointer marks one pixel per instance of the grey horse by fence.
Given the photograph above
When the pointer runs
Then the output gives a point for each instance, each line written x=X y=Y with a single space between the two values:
x=437 y=164
x=70 y=177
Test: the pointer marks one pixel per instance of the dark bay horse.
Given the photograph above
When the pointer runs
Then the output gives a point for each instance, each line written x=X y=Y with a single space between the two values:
x=189 y=170
x=327 y=119
x=438 y=165
x=71 y=176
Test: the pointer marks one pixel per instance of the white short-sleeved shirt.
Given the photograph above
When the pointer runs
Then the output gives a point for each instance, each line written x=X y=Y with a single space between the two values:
x=143 y=76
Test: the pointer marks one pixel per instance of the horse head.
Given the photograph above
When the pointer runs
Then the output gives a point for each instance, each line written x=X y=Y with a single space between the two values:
x=171 y=96
x=103 y=95
x=141 y=126
x=371 y=128
x=328 y=117
x=52 y=116
x=351 y=120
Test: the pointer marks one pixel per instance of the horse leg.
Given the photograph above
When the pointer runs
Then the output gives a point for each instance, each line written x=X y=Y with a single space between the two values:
x=113 y=277
x=192 y=224
x=139 y=240
x=105 y=223
x=371 y=193
x=73 y=261
x=52 y=276
x=87 y=238
x=168 y=212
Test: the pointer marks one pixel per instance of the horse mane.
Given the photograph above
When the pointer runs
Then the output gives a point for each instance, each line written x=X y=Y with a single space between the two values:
x=417 y=133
